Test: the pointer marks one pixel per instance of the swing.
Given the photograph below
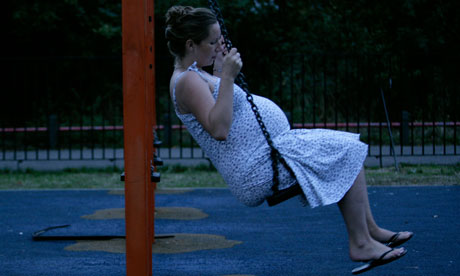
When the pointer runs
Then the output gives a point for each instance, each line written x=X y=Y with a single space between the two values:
x=278 y=196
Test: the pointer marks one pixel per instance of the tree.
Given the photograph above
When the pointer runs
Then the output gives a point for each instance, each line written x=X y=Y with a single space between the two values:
x=66 y=27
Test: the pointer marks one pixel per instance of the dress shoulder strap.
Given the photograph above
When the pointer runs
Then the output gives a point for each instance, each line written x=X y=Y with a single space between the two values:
x=190 y=68
x=195 y=69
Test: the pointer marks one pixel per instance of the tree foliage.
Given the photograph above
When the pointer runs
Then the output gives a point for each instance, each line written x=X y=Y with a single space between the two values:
x=264 y=31
x=62 y=27
x=259 y=27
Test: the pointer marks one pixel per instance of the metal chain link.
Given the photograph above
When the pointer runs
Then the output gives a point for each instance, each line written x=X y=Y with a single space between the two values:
x=241 y=81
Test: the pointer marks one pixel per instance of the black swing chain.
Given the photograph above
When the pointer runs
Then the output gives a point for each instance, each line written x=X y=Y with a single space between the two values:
x=241 y=81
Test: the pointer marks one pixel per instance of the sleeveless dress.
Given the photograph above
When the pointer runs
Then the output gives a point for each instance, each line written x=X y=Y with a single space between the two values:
x=325 y=162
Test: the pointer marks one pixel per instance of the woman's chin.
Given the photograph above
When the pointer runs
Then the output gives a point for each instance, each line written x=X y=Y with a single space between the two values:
x=204 y=64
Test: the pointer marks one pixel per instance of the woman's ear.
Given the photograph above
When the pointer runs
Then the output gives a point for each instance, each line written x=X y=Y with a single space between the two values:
x=189 y=45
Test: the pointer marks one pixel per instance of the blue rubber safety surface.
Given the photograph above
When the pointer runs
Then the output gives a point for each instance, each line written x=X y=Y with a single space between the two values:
x=287 y=239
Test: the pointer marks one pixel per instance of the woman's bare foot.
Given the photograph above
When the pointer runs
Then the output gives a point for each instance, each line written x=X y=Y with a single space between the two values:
x=373 y=250
x=386 y=236
x=387 y=257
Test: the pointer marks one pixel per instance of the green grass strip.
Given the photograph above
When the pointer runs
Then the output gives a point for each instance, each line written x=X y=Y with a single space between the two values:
x=205 y=176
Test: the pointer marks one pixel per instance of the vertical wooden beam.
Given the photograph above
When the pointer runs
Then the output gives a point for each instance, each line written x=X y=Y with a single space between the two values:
x=138 y=122
x=150 y=96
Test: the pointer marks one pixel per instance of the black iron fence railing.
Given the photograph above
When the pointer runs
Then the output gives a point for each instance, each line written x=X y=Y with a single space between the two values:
x=59 y=108
x=70 y=108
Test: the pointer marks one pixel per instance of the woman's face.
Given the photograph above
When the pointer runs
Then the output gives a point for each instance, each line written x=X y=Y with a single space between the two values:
x=208 y=49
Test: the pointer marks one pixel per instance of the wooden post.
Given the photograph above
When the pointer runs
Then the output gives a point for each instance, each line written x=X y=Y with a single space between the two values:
x=138 y=122
x=150 y=99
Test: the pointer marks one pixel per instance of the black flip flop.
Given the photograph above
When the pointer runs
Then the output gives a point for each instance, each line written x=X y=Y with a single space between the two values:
x=378 y=262
x=393 y=241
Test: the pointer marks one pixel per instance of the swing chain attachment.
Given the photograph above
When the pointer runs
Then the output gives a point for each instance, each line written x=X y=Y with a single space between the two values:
x=241 y=82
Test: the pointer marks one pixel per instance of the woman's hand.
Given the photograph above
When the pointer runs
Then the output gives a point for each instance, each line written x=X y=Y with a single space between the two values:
x=219 y=61
x=231 y=64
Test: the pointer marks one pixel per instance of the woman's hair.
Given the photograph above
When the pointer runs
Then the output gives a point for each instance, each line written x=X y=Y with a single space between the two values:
x=183 y=23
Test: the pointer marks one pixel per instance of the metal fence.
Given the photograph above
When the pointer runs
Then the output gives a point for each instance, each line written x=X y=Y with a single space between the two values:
x=70 y=108
x=61 y=108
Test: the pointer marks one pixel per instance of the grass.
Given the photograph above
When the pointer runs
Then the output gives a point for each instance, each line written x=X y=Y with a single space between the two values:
x=67 y=179
x=425 y=175
x=204 y=176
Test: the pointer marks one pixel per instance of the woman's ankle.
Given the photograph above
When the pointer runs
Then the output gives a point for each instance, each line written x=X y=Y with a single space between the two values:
x=359 y=244
x=367 y=251
x=380 y=234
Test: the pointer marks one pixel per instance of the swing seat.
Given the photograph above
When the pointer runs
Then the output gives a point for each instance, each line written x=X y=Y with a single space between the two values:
x=283 y=195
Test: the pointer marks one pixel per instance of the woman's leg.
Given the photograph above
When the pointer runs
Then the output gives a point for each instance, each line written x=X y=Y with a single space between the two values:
x=355 y=210
x=376 y=232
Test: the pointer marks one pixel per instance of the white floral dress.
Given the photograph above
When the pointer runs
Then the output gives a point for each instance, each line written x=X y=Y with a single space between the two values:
x=325 y=162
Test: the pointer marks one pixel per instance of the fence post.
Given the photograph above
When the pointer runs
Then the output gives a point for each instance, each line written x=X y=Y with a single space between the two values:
x=167 y=127
x=405 y=118
x=53 y=130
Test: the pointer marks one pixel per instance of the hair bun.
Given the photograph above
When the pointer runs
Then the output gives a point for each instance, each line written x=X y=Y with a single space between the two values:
x=175 y=14
x=185 y=22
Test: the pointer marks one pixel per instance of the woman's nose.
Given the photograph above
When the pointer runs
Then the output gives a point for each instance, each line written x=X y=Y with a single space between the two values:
x=219 y=47
x=221 y=44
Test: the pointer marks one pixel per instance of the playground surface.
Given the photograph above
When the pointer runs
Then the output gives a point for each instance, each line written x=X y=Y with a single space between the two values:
x=213 y=234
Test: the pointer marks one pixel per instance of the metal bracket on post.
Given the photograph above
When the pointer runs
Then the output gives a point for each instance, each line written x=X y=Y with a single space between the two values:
x=154 y=176
x=156 y=142
x=157 y=161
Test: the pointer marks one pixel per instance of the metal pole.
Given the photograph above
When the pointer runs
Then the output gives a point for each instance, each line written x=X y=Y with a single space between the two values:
x=392 y=146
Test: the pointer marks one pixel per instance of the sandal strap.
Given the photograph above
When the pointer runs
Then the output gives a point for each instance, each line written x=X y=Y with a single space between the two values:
x=394 y=237
x=384 y=254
